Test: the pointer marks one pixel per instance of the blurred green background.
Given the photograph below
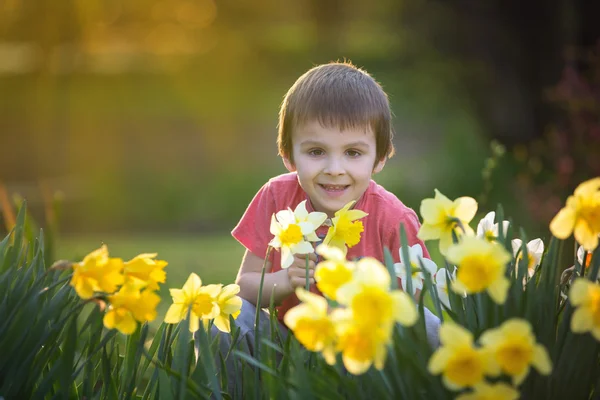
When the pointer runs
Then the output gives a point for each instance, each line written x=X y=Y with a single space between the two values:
x=155 y=120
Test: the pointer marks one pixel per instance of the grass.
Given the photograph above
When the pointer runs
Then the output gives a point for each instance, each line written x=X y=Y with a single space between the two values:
x=215 y=259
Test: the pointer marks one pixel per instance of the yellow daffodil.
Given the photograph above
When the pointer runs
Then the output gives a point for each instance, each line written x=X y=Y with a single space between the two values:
x=581 y=215
x=369 y=297
x=585 y=297
x=129 y=305
x=202 y=300
x=415 y=254
x=441 y=217
x=460 y=363
x=293 y=230
x=481 y=266
x=361 y=346
x=487 y=229
x=229 y=304
x=491 y=391
x=346 y=228
x=334 y=272
x=514 y=349
x=535 y=250
x=311 y=324
x=97 y=273
x=144 y=268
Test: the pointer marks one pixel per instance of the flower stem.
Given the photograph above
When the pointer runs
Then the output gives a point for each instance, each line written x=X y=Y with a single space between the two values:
x=256 y=321
x=307 y=281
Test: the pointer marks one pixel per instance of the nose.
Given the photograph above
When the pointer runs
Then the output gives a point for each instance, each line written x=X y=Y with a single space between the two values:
x=334 y=167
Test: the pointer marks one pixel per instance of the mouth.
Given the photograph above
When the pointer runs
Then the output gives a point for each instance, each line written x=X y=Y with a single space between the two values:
x=334 y=188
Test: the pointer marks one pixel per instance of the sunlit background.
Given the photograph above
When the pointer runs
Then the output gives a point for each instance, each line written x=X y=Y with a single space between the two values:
x=154 y=121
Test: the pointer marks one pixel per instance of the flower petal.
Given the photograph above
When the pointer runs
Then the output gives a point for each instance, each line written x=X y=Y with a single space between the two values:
x=175 y=313
x=287 y=258
x=581 y=321
x=466 y=208
x=300 y=211
x=563 y=223
x=429 y=232
x=541 y=360
x=499 y=290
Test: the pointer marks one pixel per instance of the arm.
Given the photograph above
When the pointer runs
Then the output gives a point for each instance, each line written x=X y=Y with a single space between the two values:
x=283 y=283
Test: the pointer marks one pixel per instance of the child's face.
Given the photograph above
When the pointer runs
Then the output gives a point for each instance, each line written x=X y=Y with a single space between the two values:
x=334 y=167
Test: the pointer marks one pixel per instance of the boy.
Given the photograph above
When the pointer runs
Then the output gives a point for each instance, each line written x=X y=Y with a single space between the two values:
x=334 y=133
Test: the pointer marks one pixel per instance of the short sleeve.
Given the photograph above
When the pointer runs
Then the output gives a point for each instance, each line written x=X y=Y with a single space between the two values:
x=411 y=227
x=250 y=230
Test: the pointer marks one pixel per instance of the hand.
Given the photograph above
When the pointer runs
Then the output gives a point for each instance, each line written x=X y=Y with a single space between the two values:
x=297 y=271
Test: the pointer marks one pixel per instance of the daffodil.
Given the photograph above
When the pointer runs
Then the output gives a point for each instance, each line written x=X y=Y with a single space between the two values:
x=345 y=229
x=145 y=268
x=229 y=304
x=458 y=360
x=97 y=273
x=441 y=285
x=581 y=215
x=481 y=266
x=201 y=299
x=585 y=297
x=415 y=254
x=129 y=305
x=311 y=324
x=588 y=257
x=334 y=272
x=491 y=391
x=535 y=250
x=369 y=297
x=515 y=350
x=486 y=228
x=360 y=345
x=293 y=232
x=442 y=217
x=315 y=219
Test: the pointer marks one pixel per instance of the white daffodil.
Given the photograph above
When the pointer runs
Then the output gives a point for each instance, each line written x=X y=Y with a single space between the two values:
x=293 y=232
x=488 y=229
x=588 y=259
x=580 y=254
x=535 y=250
x=315 y=218
x=415 y=254
x=441 y=285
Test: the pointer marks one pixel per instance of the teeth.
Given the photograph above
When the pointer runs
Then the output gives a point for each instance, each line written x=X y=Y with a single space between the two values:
x=334 y=187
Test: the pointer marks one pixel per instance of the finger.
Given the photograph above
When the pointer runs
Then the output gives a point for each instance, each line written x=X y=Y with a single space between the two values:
x=301 y=263
x=300 y=282
x=300 y=271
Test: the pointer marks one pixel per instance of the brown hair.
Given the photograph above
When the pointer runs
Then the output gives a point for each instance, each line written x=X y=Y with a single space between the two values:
x=336 y=95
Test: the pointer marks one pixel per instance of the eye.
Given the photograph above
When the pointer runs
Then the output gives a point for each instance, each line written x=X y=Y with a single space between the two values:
x=315 y=152
x=353 y=153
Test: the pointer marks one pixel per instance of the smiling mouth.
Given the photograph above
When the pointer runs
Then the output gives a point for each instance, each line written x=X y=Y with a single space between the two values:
x=334 y=188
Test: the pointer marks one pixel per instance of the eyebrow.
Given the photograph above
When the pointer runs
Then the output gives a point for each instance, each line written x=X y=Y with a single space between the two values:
x=358 y=143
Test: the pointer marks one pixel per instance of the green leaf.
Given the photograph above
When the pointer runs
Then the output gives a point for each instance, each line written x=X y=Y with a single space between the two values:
x=406 y=260
x=389 y=264
x=68 y=356
x=205 y=358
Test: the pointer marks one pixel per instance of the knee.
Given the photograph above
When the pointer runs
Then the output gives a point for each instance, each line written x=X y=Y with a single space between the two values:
x=432 y=327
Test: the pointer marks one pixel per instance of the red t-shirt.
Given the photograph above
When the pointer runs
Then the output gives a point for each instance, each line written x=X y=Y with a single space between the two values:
x=381 y=226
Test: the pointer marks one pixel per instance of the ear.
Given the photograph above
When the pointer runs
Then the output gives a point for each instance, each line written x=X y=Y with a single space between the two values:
x=289 y=164
x=379 y=166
